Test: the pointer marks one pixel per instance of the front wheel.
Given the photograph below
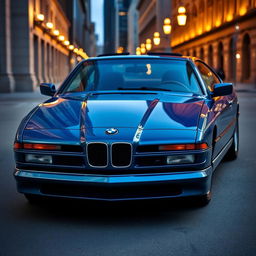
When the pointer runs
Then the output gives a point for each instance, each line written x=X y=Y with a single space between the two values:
x=233 y=151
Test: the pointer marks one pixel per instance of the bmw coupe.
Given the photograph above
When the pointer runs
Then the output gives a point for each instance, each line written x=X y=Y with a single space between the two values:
x=128 y=127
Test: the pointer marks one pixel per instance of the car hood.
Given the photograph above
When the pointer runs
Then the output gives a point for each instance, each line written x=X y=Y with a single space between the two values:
x=150 y=111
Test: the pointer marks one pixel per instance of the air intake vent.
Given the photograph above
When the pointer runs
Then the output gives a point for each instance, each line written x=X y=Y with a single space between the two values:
x=121 y=154
x=97 y=154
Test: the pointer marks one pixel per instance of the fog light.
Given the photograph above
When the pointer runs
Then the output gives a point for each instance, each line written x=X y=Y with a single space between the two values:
x=39 y=159
x=180 y=159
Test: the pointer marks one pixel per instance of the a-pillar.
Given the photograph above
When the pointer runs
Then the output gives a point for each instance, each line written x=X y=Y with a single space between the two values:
x=22 y=45
x=6 y=79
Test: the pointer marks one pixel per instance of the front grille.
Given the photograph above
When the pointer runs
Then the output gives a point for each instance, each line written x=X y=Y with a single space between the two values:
x=97 y=154
x=121 y=154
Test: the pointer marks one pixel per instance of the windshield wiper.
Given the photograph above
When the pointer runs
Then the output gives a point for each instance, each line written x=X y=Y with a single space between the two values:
x=145 y=88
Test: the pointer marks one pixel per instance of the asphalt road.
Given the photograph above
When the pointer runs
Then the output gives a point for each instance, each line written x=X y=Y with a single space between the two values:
x=227 y=226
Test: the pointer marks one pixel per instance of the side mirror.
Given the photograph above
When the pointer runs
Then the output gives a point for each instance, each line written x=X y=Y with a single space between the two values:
x=47 y=89
x=222 y=89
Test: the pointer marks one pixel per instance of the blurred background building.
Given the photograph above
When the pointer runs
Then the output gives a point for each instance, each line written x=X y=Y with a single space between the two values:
x=41 y=40
x=220 y=32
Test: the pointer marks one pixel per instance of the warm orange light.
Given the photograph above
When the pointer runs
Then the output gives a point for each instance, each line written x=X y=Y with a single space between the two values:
x=143 y=48
x=138 y=52
x=56 y=32
x=217 y=23
x=229 y=17
x=238 y=56
x=167 y=27
x=242 y=11
x=17 y=145
x=61 y=38
x=71 y=47
x=148 y=44
x=182 y=17
x=75 y=50
x=40 y=17
x=49 y=25
x=156 y=38
x=174 y=147
x=208 y=27
x=66 y=42
x=120 y=49
x=40 y=146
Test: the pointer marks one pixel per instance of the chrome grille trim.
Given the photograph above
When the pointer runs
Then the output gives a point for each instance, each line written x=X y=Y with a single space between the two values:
x=111 y=155
x=97 y=166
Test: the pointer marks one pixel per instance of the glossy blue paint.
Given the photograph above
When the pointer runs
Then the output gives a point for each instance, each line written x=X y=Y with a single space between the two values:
x=142 y=118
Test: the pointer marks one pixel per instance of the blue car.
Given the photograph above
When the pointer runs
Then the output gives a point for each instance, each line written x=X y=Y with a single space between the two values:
x=129 y=127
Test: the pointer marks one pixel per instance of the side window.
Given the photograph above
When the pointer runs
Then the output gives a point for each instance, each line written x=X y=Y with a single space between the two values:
x=207 y=75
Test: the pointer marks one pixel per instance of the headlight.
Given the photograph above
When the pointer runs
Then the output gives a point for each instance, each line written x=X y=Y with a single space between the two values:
x=39 y=159
x=180 y=159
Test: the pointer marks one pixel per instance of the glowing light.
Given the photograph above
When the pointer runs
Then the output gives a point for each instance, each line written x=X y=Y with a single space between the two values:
x=120 y=49
x=156 y=38
x=40 y=17
x=242 y=11
x=66 y=42
x=148 y=44
x=217 y=23
x=182 y=17
x=75 y=50
x=122 y=13
x=49 y=25
x=71 y=47
x=61 y=38
x=238 y=56
x=229 y=17
x=56 y=32
x=167 y=27
x=143 y=48
x=138 y=52
x=149 y=71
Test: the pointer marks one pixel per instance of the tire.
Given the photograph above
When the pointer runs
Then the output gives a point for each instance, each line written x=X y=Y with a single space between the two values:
x=233 y=151
x=201 y=201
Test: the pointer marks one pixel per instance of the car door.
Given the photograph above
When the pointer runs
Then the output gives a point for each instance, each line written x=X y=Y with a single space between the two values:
x=221 y=107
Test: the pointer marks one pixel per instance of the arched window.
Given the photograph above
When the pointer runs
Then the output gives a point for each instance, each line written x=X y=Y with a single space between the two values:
x=202 y=53
x=246 y=58
x=232 y=59
x=210 y=55
x=220 y=56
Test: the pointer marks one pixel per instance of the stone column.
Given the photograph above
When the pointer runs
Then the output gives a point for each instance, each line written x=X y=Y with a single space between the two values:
x=22 y=45
x=226 y=57
x=239 y=45
x=205 y=47
x=215 y=54
x=6 y=79
x=253 y=57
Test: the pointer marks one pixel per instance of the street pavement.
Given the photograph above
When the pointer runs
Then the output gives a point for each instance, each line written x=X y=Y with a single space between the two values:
x=226 y=227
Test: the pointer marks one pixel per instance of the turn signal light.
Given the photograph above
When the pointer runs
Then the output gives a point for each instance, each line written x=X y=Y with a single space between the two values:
x=18 y=145
x=183 y=147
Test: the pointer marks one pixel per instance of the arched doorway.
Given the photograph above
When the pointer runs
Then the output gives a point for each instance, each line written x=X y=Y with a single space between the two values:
x=246 y=58
x=232 y=60
x=220 y=56
x=202 y=53
x=210 y=55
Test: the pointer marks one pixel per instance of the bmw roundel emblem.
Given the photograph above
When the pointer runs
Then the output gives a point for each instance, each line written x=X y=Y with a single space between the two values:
x=111 y=131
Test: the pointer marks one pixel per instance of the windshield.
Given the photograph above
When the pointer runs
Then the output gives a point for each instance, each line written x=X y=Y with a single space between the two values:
x=134 y=74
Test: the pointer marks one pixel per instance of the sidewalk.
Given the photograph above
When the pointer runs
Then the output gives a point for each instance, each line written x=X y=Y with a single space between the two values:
x=242 y=87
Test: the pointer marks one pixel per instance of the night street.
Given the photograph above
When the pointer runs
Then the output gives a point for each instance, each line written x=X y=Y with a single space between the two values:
x=227 y=226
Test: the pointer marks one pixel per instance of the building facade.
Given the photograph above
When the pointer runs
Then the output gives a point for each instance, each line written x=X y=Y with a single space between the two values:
x=151 y=18
x=222 y=33
x=133 y=16
x=41 y=40
x=111 y=24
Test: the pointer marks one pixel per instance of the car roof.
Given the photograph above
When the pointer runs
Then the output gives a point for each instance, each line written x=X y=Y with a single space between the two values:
x=149 y=56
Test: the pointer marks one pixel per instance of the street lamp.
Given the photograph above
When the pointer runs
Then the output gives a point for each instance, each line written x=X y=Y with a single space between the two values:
x=49 y=25
x=167 y=27
x=66 y=42
x=138 y=51
x=182 y=17
x=56 y=32
x=143 y=48
x=156 y=38
x=148 y=44
x=40 y=17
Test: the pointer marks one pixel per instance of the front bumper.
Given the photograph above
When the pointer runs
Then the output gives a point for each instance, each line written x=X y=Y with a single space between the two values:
x=114 y=187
